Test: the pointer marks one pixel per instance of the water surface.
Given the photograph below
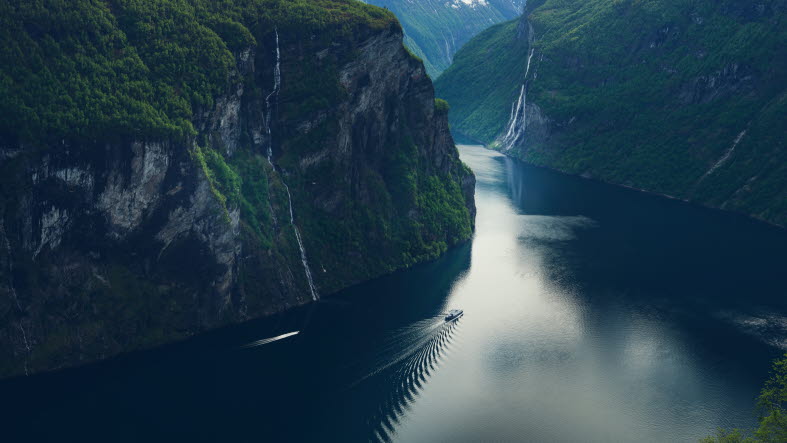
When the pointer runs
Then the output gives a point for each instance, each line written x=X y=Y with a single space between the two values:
x=592 y=313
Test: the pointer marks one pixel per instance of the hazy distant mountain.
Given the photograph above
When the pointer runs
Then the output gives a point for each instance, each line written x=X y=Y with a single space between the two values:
x=436 y=29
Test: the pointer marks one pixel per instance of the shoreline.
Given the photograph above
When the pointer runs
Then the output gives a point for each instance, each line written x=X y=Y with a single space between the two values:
x=632 y=188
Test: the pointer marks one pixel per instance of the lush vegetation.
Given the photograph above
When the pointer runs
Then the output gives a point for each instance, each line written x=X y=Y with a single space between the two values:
x=478 y=94
x=86 y=70
x=436 y=29
x=649 y=94
x=91 y=71
x=772 y=404
x=441 y=106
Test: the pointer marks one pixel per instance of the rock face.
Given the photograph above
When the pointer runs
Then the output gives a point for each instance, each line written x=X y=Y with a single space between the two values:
x=681 y=99
x=110 y=246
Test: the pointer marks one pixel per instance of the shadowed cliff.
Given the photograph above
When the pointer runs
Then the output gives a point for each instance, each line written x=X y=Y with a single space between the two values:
x=175 y=167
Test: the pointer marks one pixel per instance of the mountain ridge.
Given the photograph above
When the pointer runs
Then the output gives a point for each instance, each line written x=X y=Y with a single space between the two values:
x=436 y=29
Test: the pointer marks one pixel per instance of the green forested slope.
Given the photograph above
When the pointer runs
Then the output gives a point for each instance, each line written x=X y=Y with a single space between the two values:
x=487 y=72
x=649 y=94
x=93 y=69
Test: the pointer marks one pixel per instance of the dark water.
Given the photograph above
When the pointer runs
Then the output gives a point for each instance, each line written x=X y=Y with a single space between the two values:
x=593 y=313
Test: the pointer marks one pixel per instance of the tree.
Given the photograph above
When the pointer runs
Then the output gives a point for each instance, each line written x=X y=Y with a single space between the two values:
x=772 y=404
x=773 y=416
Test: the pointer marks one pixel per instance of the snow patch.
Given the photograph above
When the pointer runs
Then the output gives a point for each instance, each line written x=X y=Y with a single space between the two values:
x=456 y=4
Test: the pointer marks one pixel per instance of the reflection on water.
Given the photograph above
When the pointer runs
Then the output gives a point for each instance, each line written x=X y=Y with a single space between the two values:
x=592 y=316
x=539 y=227
x=768 y=327
x=592 y=313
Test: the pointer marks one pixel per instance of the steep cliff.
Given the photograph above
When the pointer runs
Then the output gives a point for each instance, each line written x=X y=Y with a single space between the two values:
x=686 y=99
x=171 y=168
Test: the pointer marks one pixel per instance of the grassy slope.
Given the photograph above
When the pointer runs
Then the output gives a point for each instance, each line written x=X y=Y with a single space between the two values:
x=625 y=74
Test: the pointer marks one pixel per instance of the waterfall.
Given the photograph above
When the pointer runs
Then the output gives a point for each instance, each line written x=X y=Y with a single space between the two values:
x=516 y=109
x=517 y=122
x=269 y=112
x=306 y=268
x=274 y=92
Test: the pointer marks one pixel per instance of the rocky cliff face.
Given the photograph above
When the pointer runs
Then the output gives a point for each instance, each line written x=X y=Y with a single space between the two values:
x=323 y=163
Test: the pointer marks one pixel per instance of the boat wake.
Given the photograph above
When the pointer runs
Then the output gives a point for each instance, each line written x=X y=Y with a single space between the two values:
x=406 y=362
x=265 y=341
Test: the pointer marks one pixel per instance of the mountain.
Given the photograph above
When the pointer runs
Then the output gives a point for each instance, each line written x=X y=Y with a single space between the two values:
x=171 y=167
x=484 y=79
x=686 y=99
x=435 y=29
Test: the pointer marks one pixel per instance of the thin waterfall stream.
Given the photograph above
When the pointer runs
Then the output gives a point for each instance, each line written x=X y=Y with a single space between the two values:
x=274 y=92
x=268 y=113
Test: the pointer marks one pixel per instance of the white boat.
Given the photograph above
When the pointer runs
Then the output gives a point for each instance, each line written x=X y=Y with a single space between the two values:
x=453 y=314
